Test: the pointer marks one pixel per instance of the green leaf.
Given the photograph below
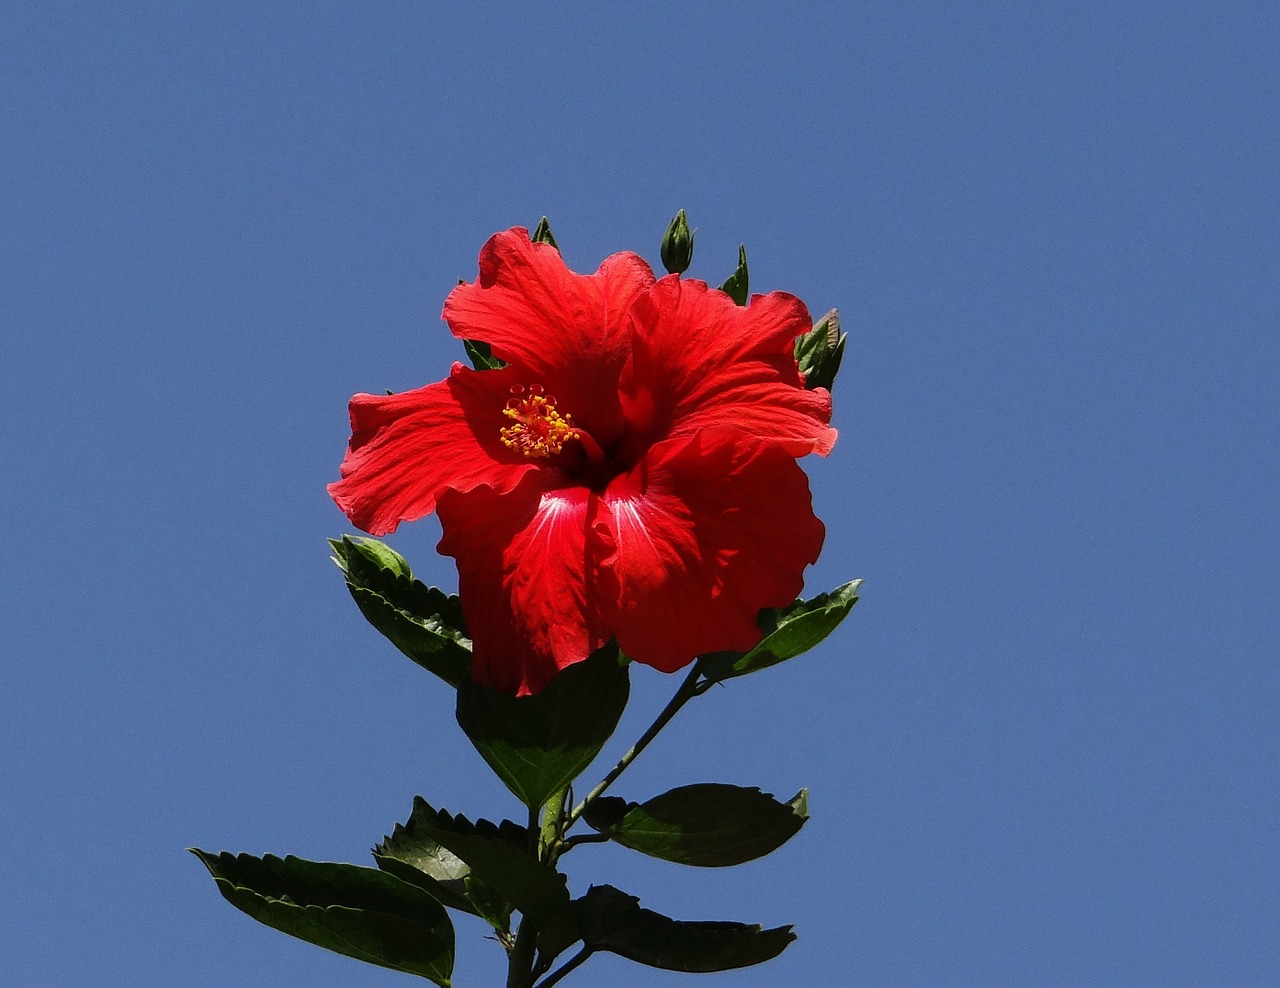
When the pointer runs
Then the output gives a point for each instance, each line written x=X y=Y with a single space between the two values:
x=481 y=355
x=498 y=855
x=423 y=622
x=736 y=285
x=543 y=234
x=709 y=825
x=788 y=632
x=539 y=744
x=820 y=351
x=359 y=912
x=416 y=858
x=489 y=905
x=605 y=811
x=615 y=921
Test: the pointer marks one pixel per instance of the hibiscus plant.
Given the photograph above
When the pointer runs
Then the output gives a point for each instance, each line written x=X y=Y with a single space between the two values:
x=616 y=479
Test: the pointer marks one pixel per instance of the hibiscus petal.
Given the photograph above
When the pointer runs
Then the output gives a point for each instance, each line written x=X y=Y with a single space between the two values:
x=568 y=331
x=407 y=448
x=528 y=577
x=700 y=361
x=706 y=531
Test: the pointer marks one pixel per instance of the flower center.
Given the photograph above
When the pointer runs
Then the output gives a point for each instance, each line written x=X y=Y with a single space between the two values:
x=537 y=430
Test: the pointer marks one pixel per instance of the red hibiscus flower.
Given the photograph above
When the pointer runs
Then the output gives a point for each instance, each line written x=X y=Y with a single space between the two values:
x=630 y=474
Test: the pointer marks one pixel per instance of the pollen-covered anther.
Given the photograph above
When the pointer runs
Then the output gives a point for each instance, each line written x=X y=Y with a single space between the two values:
x=537 y=429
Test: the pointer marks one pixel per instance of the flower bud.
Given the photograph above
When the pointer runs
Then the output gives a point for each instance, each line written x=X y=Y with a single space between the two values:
x=543 y=234
x=677 y=245
x=819 y=352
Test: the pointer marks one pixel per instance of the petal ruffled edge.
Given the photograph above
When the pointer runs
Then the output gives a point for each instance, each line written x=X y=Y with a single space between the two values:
x=701 y=361
x=406 y=449
x=706 y=532
x=570 y=332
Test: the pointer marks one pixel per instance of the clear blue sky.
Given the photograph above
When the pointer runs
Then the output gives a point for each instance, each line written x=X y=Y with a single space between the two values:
x=1043 y=751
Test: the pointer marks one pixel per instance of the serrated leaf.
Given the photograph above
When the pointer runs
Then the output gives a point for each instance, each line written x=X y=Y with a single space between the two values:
x=489 y=905
x=615 y=921
x=820 y=351
x=481 y=355
x=416 y=858
x=496 y=854
x=543 y=234
x=360 y=912
x=736 y=286
x=539 y=744
x=788 y=632
x=424 y=623
x=709 y=825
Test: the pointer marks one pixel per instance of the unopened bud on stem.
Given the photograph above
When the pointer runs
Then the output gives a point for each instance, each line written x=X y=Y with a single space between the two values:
x=677 y=245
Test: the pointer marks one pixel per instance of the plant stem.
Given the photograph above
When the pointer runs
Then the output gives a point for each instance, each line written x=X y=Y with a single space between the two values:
x=520 y=961
x=566 y=967
x=520 y=957
x=551 y=825
x=687 y=691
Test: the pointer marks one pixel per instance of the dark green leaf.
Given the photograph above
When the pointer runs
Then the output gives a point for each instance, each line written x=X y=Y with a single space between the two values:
x=498 y=855
x=736 y=287
x=481 y=356
x=820 y=351
x=538 y=744
x=417 y=859
x=710 y=825
x=615 y=921
x=423 y=622
x=788 y=632
x=489 y=905
x=543 y=234
x=414 y=857
x=605 y=811
x=359 y=912
x=557 y=937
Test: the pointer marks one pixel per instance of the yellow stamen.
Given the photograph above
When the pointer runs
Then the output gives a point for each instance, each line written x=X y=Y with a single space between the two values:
x=537 y=430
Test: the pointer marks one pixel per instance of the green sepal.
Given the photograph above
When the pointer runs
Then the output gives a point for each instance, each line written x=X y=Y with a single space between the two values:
x=614 y=921
x=543 y=234
x=708 y=824
x=736 y=287
x=424 y=623
x=481 y=355
x=497 y=855
x=360 y=912
x=820 y=351
x=538 y=744
x=788 y=632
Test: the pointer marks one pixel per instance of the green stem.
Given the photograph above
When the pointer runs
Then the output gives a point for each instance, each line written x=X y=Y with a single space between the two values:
x=687 y=691
x=551 y=825
x=565 y=968
x=520 y=958
x=520 y=962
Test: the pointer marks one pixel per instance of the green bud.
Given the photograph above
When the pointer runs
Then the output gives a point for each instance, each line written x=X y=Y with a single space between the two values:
x=820 y=351
x=736 y=285
x=677 y=245
x=543 y=234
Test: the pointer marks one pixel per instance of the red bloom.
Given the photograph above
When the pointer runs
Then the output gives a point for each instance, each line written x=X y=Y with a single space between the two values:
x=630 y=474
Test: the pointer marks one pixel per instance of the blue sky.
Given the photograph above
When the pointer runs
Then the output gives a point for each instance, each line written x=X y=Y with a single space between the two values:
x=1042 y=751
